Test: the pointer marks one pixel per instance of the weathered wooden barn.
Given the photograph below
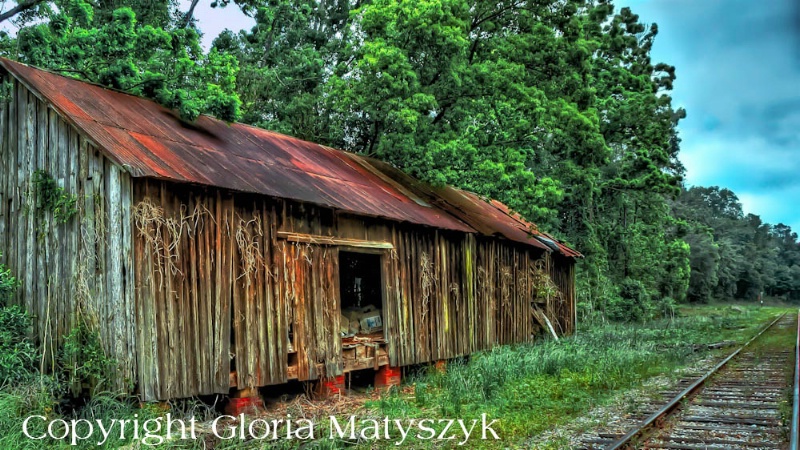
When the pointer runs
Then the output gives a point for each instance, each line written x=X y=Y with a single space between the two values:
x=212 y=256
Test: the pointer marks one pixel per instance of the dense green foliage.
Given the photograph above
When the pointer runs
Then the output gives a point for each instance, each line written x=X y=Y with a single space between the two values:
x=733 y=254
x=8 y=284
x=84 y=362
x=553 y=107
x=17 y=352
x=157 y=60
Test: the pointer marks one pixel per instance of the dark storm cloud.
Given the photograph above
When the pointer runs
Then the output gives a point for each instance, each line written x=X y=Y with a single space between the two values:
x=738 y=68
x=779 y=122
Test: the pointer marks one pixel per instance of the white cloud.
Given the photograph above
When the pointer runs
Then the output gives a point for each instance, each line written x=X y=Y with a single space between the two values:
x=213 y=21
x=766 y=186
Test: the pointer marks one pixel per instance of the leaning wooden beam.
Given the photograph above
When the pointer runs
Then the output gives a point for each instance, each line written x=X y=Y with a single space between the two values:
x=327 y=240
x=541 y=317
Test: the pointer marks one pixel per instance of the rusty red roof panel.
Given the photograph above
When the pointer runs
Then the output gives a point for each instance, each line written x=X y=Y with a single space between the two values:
x=149 y=140
x=490 y=218
x=524 y=224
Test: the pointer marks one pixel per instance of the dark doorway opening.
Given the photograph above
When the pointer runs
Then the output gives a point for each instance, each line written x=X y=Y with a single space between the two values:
x=361 y=294
x=361 y=291
x=360 y=280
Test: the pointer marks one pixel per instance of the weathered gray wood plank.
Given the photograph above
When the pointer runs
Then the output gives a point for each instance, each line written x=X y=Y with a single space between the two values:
x=31 y=271
x=17 y=228
x=43 y=272
x=4 y=168
x=60 y=287
x=128 y=356
x=72 y=230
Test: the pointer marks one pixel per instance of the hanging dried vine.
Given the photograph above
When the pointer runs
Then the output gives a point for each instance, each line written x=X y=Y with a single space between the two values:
x=427 y=279
x=163 y=234
x=249 y=236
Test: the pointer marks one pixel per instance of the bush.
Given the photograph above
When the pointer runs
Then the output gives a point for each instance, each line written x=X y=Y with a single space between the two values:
x=34 y=397
x=8 y=284
x=54 y=198
x=632 y=303
x=18 y=355
x=84 y=360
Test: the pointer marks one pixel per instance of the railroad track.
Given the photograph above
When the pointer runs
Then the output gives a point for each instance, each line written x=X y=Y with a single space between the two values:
x=738 y=404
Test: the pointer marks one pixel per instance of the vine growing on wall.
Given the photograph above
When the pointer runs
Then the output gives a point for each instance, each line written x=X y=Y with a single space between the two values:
x=84 y=361
x=53 y=198
x=544 y=288
x=6 y=91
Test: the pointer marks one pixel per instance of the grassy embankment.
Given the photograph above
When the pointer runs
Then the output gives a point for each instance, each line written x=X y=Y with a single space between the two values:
x=532 y=388
x=528 y=388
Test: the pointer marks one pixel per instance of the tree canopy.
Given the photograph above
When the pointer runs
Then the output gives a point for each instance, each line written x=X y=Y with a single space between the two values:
x=554 y=107
x=151 y=58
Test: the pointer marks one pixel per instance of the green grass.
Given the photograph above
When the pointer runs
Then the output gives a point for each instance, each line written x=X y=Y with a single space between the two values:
x=528 y=388
x=533 y=388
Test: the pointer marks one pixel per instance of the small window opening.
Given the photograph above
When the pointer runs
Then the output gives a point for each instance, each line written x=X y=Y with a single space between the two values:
x=361 y=291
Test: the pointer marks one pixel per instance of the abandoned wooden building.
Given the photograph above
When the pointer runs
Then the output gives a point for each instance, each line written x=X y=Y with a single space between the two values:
x=213 y=256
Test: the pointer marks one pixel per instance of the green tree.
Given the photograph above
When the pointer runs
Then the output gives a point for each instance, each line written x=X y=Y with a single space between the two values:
x=733 y=254
x=552 y=107
x=24 y=10
x=286 y=60
x=167 y=65
x=8 y=285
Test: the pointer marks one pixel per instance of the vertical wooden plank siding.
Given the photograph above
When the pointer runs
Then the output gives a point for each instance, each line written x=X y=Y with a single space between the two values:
x=258 y=327
x=207 y=276
x=55 y=262
x=29 y=150
x=4 y=166
x=186 y=284
x=236 y=293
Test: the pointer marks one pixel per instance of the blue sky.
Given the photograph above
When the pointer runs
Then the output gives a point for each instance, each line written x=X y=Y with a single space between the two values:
x=738 y=68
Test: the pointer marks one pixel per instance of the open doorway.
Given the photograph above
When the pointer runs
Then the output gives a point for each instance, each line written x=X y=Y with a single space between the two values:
x=361 y=290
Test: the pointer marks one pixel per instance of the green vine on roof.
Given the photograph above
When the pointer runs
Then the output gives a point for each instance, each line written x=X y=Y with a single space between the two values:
x=53 y=198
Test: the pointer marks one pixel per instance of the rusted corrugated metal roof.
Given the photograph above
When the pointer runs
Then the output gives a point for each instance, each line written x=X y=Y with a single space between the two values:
x=490 y=218
x=524 y=224
x=149 y=140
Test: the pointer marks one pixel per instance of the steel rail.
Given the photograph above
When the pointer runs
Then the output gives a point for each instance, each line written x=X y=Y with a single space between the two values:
x=658 y=417
x=793 y=445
